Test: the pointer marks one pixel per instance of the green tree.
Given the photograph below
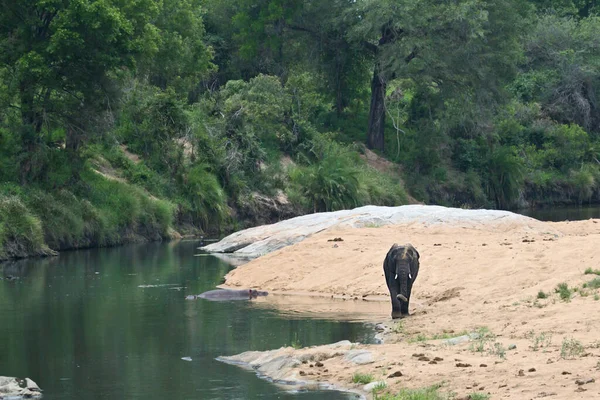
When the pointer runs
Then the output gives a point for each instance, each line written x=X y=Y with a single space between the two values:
x=59 y=58
x=467 y=47
x=179 y=57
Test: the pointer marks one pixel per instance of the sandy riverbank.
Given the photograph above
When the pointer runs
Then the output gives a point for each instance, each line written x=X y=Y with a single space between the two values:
x=471 y=277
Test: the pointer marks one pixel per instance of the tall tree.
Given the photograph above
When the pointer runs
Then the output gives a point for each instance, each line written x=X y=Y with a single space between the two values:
x=465 y=46
x=59 y=56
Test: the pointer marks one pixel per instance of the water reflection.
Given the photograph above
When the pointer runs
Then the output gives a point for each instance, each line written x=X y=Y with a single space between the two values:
x=81 y=326
x=557 y=214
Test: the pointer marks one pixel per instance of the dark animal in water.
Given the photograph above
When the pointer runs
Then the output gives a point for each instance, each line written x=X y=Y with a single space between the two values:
x=226 y=294
x=401 y=267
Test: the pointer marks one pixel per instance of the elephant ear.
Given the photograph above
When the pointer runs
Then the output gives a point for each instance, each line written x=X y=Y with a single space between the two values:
x=415 y=252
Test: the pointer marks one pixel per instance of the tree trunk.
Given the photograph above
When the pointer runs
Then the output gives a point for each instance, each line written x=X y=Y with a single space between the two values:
x=375 y=132
x=31 y=126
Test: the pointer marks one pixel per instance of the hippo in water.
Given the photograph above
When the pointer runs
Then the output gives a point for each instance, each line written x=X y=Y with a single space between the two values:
x=226 y=294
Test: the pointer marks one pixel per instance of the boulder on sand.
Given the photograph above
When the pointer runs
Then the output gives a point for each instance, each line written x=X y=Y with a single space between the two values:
x=15 y=388
x=260 y=240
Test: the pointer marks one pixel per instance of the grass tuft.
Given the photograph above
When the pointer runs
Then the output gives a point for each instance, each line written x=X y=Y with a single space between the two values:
x=363 y=379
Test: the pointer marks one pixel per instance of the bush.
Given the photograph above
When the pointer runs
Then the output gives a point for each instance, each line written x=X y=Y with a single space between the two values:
x=21 y=231
x=207 y=200
x=330 y=181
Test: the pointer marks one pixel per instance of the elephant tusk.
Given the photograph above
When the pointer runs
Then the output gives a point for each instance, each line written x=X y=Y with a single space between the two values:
x=396 y=277
x=409 y=276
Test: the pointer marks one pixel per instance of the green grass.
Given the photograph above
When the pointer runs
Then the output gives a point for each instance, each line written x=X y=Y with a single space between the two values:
x=593 y=284
x=591 y=271
x=564 y=292
x=422 y=338
x=571 y=348
x=21 y=232
x=398 y=327
x=429 y=393
x=478 y=396
x=363 y=379
x=542 y=295
x=542 y=340
x=95 y=212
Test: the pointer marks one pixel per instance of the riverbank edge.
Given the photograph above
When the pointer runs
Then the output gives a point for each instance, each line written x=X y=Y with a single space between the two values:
x=295 y=385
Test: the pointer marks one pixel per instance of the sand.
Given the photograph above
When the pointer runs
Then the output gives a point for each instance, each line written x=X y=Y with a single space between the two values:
x=470 y=278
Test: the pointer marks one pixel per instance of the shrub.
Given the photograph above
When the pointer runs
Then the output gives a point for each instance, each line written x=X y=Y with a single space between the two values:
x=564 y=292
x=21 y=231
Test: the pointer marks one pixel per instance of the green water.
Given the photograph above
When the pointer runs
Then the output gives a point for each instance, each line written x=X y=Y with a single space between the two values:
x=80 y=326
x=563 y=213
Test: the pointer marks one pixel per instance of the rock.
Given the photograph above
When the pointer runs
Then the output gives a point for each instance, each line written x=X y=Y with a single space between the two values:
x=483 y=365
x=521 y=372
x=264 y=239
x=423 y=358
x=461 y=339
x=360 y=357
x=438 y=359
x=380 y=327
x=566 y=373
x=512 y=347
x=340 y=344
x=186 y=358
x=318 y=364
x=396 y=374
x=531 y=370
x=585 y=381
x=418 y=355
x=463 y=365
x=370 y=386
x=18 y=388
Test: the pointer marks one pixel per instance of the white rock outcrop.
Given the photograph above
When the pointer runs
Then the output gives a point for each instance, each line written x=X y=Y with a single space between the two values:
x=257 y=241
x=15 y=388
x=284 y=366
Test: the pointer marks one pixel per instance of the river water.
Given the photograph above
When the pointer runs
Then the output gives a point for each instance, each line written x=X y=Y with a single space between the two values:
x=114 y=324
x=563 y=213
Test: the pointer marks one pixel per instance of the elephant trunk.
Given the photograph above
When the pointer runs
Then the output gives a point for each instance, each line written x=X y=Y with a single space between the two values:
x=402 y=275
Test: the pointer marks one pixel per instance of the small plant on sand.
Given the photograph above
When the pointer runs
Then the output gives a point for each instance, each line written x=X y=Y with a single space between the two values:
x=363 y=379
x=429 y=393
x=497 y=349
x=398 y=327
x=564 y=292
x=598 y=366
x=591 y=271
x=478 y=396
x=542 y=295
x=596 y=297
x=593 y=284
x=482 y=337
x=544 y=339
x=571 y=348
x=378 y=388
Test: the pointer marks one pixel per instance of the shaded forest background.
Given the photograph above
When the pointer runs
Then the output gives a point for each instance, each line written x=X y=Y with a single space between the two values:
x=125 y=120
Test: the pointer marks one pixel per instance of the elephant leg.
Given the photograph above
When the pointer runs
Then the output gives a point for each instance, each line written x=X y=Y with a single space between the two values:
x=396 y=306
x=404 y=304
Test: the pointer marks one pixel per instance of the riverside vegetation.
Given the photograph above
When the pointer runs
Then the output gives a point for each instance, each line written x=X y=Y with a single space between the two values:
x=124 y=120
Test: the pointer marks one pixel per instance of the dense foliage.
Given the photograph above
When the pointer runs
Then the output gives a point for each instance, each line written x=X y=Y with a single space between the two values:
x=127 y=120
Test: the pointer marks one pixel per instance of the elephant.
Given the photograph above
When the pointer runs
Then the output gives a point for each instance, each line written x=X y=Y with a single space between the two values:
x=401 y=267
x=226 y=294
